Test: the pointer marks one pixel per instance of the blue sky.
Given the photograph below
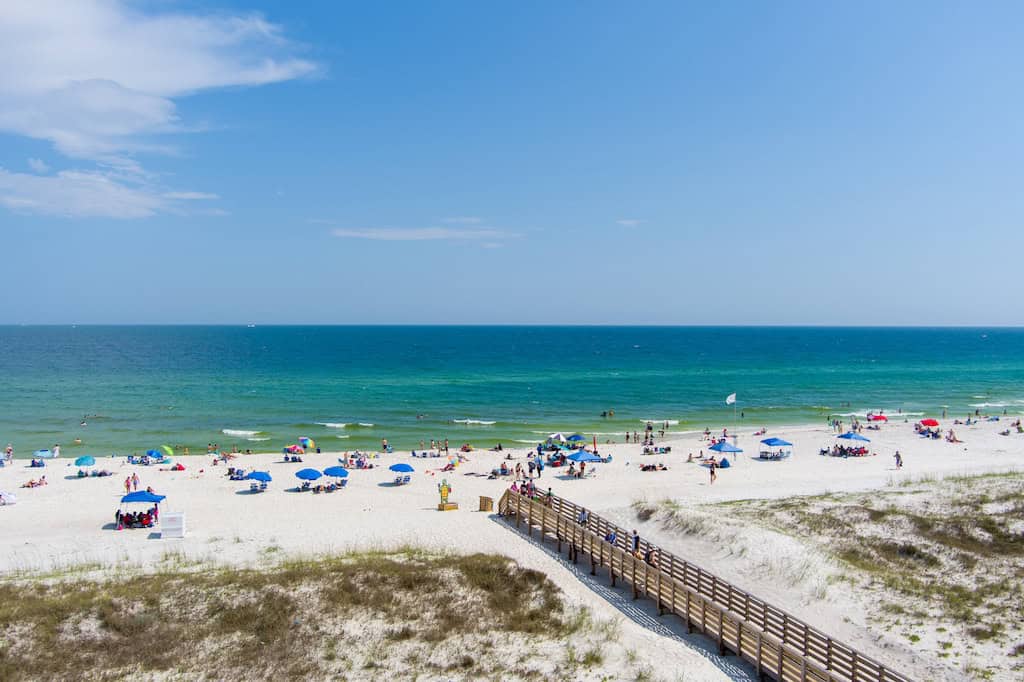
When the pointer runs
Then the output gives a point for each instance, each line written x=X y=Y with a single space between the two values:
x=534 y=162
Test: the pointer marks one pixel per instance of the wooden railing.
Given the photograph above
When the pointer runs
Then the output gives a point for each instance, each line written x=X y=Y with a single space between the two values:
x=779 y=645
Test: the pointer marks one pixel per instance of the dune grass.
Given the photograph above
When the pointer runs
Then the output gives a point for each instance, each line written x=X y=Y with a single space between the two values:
x=396 y=612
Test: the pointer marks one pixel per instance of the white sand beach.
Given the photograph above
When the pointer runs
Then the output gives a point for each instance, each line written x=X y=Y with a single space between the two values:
x=69 y=521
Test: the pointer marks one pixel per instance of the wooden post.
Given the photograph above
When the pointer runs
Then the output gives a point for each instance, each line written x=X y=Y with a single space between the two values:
x=721 y=636
x=636 y=593
x=661 y=609
x=759 y=673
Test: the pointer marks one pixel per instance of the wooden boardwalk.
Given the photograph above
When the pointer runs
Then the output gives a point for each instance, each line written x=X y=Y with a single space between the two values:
x=778 y=645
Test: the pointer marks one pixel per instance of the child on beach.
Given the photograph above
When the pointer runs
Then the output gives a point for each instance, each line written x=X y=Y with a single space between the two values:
x=899 y=460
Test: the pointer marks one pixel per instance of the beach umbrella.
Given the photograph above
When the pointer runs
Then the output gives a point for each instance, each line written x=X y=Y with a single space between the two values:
x=878 y=418
x=776 y=443
x=168 y=450
x=850 y=435
x=336 y=472
x=556 y=436
x=295 y=450
x=85 y=461
x=575 y=438
x=308 y=474
x=42 y=454
x=259 y=476
x=307 y=442
x=725 y=446
x=402 y=468
x=155 y=453
x=929 y=422
x=143 y=496
x=584 y=456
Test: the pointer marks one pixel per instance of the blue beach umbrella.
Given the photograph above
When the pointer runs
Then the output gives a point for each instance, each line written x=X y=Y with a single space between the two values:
x=575 y=437
x=776 y=443
x=850 y=435
x=402 y=468
x=85 y=461
x=308 y=474
x=259 y=476
x=143 y=496
x=725 y=446
x=336 y=472
x=155 y=453
x=42 y=454
x=583 y=456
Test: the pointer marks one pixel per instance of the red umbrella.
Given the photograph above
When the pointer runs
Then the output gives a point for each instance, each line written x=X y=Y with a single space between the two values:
x=878 y=418
x=929 y=422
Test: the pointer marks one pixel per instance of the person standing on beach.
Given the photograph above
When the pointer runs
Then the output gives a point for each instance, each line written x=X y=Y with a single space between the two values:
x=899 y=460
x=128 y=485
x=712 y=466
x=135 y=481
x=540 y=466
x=56 y=450
x=446 y=446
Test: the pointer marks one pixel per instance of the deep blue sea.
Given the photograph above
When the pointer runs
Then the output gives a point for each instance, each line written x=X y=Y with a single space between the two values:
x=347 y=387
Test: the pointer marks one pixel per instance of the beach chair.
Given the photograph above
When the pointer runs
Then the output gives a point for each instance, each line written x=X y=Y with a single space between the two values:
x=263 y=486
x=304 y=486
x=406 y=479
x=398 y=480
x=344 y=482
x=254 y=487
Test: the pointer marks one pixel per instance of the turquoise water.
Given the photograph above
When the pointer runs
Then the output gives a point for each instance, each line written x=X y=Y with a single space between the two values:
x=263 y=387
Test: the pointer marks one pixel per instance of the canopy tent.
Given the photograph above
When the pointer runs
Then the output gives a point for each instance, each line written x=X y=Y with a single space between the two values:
x=308 y=474
x=402 y=468
x=259 y=476
x=782 y=450
x=850 y=435
x=85 y=461
x=43 y=454
x=336 y=472
x=583 y=456
x=725 y=446
x=143 y=496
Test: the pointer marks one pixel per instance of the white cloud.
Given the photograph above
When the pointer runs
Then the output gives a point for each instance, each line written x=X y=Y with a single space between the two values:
x=629 y=222
x=190 y=196
x=98 y=79
x=38 y=165
x=396 y=234
x=87 y=194
x=462 y=220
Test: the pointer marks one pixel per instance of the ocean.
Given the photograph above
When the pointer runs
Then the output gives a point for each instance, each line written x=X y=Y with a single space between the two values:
x=262 y=388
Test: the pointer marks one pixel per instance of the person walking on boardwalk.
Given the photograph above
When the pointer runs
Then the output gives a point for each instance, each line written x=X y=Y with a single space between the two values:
x=636 y=543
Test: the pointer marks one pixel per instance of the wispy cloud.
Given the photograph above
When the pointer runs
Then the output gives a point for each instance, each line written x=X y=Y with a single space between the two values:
x=629 y=222
x=82 y=194
x=462 y=220
x=190 y=196
x=98 y=78
x=38 y=166
x=414 y=234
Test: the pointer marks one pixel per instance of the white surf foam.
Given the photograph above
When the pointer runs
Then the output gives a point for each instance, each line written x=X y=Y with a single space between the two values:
x=988 y=405
x=365 y=424
x=671 y=422
x=331 y=425
x=239 y=432
x=341 y=435
x=258 y=439
x=474 y=422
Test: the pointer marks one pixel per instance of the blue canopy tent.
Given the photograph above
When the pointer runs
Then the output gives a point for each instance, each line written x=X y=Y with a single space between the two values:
x=725 y=446
x=402 y=468
x=782 y=453
x=583 y=456
x=261 y=476
x=850 y=435
x=308 y=474
x=42 y=454
x=85 y=461
x=143 y=496
x=336 y=472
